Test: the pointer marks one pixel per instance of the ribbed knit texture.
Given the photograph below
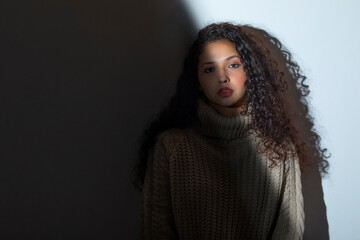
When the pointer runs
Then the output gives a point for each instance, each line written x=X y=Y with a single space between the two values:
x=211 y=183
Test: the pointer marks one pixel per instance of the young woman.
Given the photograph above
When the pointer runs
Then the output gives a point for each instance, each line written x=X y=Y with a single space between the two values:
x=224 y=159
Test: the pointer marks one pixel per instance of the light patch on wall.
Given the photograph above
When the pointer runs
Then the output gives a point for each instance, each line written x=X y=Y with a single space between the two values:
x=324 y=39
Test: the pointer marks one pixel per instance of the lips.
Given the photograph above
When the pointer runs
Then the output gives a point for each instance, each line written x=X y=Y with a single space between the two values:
x=225 y=91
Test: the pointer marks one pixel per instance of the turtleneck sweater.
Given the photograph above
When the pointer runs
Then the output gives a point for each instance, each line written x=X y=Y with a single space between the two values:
x=210 y=182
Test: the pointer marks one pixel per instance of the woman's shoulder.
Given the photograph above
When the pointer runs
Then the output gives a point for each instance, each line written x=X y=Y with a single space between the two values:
x=171 y=138
x=175 y=135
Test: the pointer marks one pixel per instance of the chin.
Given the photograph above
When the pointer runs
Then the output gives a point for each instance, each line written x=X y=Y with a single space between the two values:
x=227 y=104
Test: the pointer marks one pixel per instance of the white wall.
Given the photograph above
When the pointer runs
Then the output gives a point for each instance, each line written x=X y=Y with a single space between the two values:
x=324 y=37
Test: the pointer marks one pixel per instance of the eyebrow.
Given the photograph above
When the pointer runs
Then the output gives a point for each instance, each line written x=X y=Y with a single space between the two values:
x=227 y=59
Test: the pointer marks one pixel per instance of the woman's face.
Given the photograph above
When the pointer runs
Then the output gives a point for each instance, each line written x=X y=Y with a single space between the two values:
x=221 y=74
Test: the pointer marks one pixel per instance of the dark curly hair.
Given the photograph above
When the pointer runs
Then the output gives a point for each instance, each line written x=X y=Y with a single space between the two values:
x=275 y=98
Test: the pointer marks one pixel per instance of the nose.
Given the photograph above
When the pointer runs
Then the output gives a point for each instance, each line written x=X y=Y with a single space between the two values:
x=223 y=77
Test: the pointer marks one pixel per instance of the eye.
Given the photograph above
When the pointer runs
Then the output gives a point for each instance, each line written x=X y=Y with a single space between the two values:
x=234 y=65
x=208 y=70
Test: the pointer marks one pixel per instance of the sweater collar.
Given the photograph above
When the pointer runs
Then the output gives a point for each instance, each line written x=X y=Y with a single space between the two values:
x=216 y=125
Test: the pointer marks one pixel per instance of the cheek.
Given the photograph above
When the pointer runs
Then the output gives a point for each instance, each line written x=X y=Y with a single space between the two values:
x=240 y=79
x=243 y=81
x=208 y=86
x=204 y=83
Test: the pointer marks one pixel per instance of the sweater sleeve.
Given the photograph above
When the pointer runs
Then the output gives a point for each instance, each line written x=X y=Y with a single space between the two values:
x=291 y=219
x=156 y=213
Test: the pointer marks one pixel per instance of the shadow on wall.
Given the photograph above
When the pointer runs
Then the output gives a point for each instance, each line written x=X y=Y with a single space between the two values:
x=79 y=81
x=316 y=224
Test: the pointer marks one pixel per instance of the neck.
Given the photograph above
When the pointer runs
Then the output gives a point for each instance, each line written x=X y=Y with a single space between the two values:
x=219 y=125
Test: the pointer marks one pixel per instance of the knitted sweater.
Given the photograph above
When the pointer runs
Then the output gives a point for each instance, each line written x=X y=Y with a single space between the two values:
x=211 y=183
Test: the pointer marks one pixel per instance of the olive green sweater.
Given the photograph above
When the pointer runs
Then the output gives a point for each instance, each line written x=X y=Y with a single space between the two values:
x=209 y=182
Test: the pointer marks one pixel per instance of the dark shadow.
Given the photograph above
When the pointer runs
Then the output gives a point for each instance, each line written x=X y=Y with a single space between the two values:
x=316 y=224
x=79 y=81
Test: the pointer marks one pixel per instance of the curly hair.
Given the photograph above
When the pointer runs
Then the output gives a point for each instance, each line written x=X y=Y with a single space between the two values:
x=273 y=81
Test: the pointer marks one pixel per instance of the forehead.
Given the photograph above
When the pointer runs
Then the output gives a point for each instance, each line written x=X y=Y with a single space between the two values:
x=216 y=49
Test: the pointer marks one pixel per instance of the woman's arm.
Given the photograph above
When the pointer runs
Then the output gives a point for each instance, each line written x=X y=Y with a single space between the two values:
x=156 y=213
x=290 y=222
